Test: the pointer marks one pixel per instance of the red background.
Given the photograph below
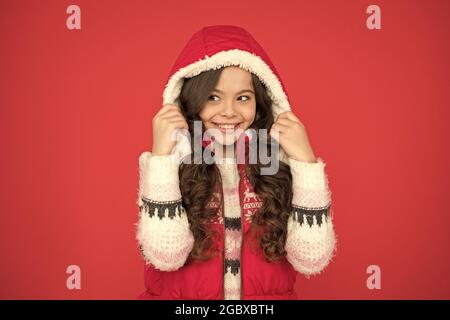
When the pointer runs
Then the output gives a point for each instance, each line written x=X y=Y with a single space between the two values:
x=76 y=109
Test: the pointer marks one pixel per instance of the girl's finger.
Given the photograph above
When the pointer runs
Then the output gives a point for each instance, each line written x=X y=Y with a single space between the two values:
x=171 y=114
x=286 y=122
x=176 y=120
x=273 y=133
x=289 y=115
x=180 y=123
x=166 y=108
x=280 y=127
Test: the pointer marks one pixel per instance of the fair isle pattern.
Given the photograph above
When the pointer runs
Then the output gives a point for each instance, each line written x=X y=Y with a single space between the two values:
x=250 y=200
x=214 y=202
x=310 y=215
x=233 y=230
x=172 y=208
x=232 y=245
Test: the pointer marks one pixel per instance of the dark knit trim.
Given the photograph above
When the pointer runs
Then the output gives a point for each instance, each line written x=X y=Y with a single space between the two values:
x=150 y=206
x=232 y=223
x=234 y=266
x=301 y=213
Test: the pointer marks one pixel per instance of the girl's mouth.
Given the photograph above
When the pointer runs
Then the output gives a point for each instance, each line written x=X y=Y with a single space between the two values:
x=227 y=127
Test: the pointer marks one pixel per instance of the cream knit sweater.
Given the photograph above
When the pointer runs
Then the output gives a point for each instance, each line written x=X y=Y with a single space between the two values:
x=165 y=238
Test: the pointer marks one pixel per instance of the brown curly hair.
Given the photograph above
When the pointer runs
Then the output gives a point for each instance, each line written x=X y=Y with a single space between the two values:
x=199 y=181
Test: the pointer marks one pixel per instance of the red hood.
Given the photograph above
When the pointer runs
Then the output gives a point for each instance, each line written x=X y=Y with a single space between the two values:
x=218 y=46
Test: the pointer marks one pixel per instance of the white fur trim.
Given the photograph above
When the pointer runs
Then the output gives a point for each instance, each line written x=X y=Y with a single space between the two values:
x=235 y=57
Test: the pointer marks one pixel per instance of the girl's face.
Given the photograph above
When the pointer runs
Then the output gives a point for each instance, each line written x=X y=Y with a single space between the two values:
x=231 y=107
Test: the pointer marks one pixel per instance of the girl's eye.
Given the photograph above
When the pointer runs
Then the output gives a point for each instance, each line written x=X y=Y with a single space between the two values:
x=246 y=98
x=212 y=97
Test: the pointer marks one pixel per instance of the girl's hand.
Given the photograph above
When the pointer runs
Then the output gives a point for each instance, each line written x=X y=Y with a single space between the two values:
x=168 y=119
x=293 y=137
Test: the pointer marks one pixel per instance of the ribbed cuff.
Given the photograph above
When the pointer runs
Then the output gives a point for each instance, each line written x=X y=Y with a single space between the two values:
x=160 y=169
x=308 y=175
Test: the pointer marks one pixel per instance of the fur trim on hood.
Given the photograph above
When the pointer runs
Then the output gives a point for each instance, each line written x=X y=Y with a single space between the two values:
x=218 y=46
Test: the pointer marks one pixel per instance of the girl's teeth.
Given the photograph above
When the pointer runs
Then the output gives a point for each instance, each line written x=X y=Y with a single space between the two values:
x=227 y=126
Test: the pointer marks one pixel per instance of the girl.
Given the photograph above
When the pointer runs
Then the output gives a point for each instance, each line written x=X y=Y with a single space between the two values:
x=223 y=230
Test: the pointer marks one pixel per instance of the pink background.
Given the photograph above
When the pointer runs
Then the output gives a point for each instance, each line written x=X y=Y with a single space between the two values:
x=76 y=109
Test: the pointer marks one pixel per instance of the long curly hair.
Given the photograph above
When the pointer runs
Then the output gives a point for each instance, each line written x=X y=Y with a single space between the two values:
x=198 y=181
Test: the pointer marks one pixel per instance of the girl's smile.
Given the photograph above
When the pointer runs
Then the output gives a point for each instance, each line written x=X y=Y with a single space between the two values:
x=228 y=127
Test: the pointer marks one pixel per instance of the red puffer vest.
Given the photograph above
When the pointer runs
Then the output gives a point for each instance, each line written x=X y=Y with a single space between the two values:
x=212 y=47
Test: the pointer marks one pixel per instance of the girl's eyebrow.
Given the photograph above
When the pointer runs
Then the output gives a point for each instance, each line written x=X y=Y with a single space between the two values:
x=242 y=91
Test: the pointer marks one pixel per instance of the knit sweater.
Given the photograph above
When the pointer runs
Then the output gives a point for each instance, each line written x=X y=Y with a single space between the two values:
x=166 y=240
x=233 y=230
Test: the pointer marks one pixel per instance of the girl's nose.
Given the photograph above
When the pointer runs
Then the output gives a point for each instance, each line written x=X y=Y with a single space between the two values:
x=229 y=109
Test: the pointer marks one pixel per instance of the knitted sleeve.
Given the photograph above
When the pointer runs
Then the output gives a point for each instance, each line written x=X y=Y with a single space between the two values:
x=163 y=232
x=310 y=242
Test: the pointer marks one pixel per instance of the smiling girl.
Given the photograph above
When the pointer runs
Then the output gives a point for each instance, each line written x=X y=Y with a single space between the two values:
x=225 y=230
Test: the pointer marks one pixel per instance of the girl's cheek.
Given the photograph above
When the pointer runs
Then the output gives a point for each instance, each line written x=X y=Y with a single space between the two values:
x=206 y=114
x=250 y=116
